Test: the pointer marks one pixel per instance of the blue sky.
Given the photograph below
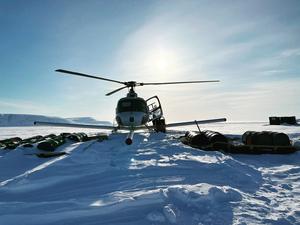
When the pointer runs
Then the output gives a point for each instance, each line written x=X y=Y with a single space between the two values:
x=253 y=47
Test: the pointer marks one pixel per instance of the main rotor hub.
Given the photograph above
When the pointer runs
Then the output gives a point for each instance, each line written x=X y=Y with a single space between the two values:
x=130 y=84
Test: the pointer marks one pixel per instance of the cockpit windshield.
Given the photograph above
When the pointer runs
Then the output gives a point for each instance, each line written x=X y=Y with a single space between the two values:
x=132 y=105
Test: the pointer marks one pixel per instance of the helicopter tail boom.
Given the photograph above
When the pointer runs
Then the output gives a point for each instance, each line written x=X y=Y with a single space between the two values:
x=41 y=123
x=195 y=122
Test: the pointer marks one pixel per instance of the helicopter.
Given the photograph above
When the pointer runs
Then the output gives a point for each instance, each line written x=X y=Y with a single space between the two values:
x=133 y=112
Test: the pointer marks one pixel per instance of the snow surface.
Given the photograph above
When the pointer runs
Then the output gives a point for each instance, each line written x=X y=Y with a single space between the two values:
x=156 y=180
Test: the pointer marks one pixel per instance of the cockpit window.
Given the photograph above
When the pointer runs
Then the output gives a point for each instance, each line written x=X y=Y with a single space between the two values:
x=132 y=105
x=126 y=104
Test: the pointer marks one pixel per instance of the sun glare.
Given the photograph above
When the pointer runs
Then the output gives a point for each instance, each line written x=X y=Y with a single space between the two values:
x=161 y=61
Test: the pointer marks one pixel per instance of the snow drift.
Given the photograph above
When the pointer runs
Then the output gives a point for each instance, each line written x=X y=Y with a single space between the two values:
x=157 y=180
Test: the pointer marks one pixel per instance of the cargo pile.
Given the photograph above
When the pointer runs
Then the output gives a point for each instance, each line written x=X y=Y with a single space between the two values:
x=203 y=138
x=290 y=120
x=49 y=143
x=252 y=142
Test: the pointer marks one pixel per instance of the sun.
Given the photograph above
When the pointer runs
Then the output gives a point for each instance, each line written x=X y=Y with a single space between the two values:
x=161 y=60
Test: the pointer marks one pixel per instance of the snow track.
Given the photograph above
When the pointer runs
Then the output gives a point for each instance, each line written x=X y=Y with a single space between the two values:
x=157 y=180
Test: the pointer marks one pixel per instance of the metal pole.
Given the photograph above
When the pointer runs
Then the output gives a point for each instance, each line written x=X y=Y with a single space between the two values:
x=198 y=126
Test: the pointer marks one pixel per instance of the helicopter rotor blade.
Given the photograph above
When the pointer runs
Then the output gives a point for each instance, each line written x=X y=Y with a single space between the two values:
x=89 y=76
x=179 y=82
x=112 y=92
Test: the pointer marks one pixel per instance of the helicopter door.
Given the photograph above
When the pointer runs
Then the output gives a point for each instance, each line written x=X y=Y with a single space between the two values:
x=156 y=114
x=155 y=110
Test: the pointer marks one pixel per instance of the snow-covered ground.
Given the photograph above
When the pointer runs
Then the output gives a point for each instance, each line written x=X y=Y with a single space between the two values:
x=156 y=180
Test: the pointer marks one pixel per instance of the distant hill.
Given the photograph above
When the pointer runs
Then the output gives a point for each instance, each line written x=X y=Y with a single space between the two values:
x=14 y=120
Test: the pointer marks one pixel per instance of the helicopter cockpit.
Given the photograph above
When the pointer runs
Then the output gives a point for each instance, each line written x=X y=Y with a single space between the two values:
x=132 y=111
